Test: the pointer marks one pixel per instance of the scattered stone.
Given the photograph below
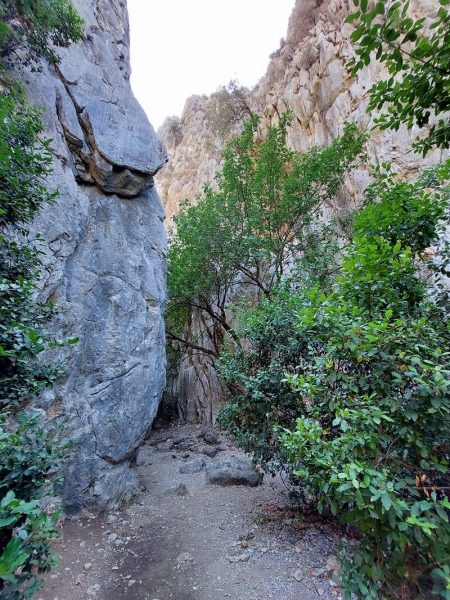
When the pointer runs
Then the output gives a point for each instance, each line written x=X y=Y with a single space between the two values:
x=112 y=519
x=180 y=490
x=244 y=544
x=298 y=575
x=184 y=557
x=112 y=537
x=185 y=443
x=87 y=566
x=210 y=451
x=332 y=568
x=317 y=572
x=187 y=455
x=234 y=469
x=244 y=557
x=321 y=592
x=211 y=438
x=193 y=466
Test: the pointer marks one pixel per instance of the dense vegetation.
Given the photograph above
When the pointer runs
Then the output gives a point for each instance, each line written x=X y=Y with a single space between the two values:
x=250 y=230
x=334 y=336
x=30 y=447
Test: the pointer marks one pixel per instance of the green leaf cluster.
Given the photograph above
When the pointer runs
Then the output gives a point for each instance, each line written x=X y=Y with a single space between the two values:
x=31 y=455
x=31 y=449
x=31 y=30
x=416 y=53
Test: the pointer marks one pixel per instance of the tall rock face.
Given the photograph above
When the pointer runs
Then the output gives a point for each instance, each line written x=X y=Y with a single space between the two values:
x=308 y=76
x=105 y=263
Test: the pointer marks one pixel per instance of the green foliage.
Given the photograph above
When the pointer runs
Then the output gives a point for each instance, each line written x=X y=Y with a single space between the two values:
x=249 y=230
x=30 y=451
x=30 y=447
x=31 y=29
x=260 y=399
x=31 y=454
x=22 y=194
x=416 y=54
x=372 y=444
x=366 y=366
x=25 y=161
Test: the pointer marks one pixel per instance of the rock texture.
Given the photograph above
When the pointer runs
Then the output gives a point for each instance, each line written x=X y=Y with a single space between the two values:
x=105 y=265
x=308 y=76
x=234 y=469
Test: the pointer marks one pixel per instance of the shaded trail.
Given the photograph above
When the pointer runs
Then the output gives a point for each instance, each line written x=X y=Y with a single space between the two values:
x=214 y=542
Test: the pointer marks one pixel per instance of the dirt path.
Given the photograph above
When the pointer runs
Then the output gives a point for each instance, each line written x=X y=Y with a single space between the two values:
x=214 y=542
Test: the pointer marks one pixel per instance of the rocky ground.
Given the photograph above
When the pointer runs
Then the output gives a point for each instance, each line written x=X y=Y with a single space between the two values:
x=190 y=537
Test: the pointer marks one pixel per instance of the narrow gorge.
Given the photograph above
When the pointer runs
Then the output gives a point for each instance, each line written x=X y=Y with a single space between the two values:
x=224 y=342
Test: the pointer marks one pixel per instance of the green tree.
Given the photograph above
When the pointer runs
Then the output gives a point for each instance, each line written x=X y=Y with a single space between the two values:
x=246 y=233
x=31 y=29
x=416 y=53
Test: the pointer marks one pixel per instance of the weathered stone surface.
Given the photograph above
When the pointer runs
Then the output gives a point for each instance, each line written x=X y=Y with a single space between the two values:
x=211 y=437
x=185 y=443
x=179 y=490
x=193 y=466
x=234 y=469
x=105 y=266
x=210 y=451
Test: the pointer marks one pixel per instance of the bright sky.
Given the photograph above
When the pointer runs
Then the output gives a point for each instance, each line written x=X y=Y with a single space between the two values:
x=185 y=47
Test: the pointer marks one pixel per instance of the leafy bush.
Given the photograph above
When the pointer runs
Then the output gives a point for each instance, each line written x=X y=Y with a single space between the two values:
x=370 y=365
x=31 y=455
x=30 y=449
x=227 y=109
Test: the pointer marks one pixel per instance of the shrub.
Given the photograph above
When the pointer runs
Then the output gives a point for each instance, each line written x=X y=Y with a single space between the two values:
x=246 y=234
x=30 y=450
x=365 y=366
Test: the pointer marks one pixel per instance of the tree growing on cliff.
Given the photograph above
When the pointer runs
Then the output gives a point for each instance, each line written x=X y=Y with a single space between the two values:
x=250 y=231
x=416 y=53
x=228 y=108
x=30 y=30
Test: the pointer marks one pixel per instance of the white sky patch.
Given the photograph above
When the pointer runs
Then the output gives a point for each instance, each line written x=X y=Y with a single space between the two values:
x=185 y=47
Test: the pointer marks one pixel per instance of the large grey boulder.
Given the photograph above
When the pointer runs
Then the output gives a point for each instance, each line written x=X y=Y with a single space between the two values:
x=105 y=264
x=234 y=469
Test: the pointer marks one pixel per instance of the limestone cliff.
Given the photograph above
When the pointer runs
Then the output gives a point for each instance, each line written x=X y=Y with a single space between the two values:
x=105 y=263
x=308 y=76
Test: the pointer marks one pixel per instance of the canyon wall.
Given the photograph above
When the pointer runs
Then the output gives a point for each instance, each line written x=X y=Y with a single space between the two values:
x=104 y=265
x=308 y=76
